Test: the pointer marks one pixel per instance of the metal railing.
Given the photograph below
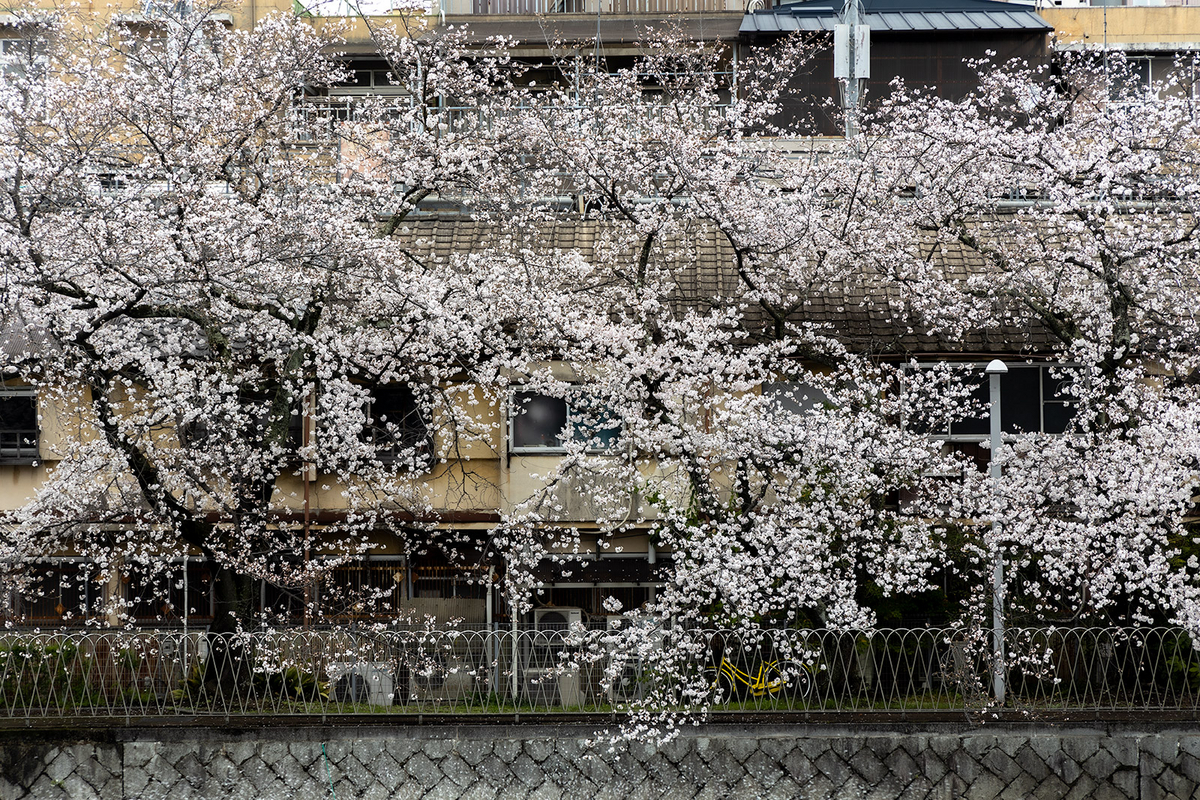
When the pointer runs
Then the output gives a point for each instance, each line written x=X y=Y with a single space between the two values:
x=321 y=115
x=115 y=675
x=343 y=8
x=615 y=7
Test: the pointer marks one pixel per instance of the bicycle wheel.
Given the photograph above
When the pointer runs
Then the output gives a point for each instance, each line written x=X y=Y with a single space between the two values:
x=788 y=679
x=721 y=688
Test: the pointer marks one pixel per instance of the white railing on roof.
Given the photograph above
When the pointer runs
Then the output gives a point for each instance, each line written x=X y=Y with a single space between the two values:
x=352 y=8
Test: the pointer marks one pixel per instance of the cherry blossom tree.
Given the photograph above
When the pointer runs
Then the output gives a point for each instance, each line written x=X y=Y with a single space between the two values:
x=219 y=270
x=1074 y=190
x=777 y=508
x=200 y=263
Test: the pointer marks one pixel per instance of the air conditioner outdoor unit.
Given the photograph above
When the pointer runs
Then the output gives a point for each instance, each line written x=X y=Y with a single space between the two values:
x=553 y=686
x=556 y=619
x=369 y=683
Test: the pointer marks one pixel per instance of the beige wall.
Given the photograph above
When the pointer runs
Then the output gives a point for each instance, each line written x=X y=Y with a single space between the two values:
x=1126 y=28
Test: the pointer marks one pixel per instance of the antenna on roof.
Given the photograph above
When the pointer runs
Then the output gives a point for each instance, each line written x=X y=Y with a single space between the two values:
x=851 y=60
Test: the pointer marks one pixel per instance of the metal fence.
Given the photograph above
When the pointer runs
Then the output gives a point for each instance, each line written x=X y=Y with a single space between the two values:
x=115 y=675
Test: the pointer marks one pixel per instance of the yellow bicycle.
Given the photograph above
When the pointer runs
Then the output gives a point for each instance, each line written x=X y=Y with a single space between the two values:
x=771 y=679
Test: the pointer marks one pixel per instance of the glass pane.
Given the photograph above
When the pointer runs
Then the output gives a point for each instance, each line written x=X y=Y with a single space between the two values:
x=1061 y=403
x=538 y=421
x=975 y=425
x=394 y=419
x=1056 y=384
x=1020 y=400
x=17 y=412
x=595 y=424
x=59 y=590
x=1058 y=416
x=18 y=425
x=1131 y=79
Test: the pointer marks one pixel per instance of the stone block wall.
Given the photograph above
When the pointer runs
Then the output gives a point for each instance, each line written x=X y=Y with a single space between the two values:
x=555 y=761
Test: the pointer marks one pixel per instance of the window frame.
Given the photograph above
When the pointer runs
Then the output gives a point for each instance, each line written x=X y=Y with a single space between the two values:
x=21 y=454
x=373 y=433
x=981 y=366
x=571 y=425
x=21 y=53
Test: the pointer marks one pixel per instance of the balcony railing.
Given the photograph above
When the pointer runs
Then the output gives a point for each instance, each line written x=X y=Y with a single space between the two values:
x=18 y=444
x=342 y=8
x=135 y=675
x=592 y=7
x=320 y=116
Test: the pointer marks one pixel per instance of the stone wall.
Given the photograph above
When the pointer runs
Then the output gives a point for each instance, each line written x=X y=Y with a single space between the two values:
x=1144 y=761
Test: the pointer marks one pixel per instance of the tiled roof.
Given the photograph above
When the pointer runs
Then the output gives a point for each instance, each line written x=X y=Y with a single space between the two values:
x=866 y=314
x=19 y=340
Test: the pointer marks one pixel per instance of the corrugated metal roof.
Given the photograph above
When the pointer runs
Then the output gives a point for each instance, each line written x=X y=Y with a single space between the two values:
x=899 y=16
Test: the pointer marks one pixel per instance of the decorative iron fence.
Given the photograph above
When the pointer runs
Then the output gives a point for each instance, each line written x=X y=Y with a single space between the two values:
x=163 y=673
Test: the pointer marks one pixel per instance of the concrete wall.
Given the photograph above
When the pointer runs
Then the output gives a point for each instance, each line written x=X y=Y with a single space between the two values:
x=479 y=761
x=1126 y=27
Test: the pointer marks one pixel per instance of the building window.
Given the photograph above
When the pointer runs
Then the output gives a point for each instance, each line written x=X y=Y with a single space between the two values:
x=1034 y=398
x=395 y=426
x=58 y=591
x=169 y=595
x=365 y=77
x=18 y=425
x=200 y=433
x=539 y=423
x=22 y=56
x=1130 y=79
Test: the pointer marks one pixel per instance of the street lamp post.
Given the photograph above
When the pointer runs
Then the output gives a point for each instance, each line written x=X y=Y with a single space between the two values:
x=994 y=370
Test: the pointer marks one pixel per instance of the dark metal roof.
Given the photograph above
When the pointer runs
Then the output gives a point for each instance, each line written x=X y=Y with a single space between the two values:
x=899 y=16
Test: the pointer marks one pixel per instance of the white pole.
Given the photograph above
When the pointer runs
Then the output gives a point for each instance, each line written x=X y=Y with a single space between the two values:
x=513 y=613
x=851 y=60
x=994 y=370
x=184 y=648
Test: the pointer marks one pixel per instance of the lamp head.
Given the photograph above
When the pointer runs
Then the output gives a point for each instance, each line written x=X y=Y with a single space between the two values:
x=996 y=367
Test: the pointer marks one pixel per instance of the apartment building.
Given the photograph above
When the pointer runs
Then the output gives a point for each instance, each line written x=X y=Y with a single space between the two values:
x=519 y=436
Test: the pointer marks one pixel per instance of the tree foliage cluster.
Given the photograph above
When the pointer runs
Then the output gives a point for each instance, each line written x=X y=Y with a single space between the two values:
x=199 y=256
